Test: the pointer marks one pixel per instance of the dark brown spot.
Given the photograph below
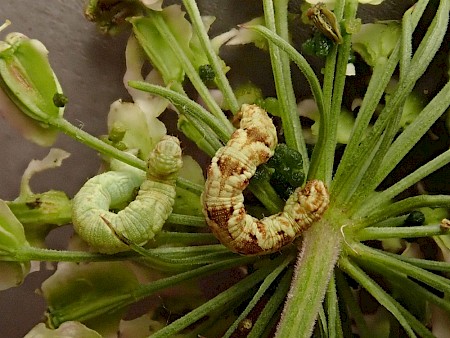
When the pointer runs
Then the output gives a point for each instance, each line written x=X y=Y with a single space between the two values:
x=229 y=167
x=220 y=215
x=36 y=203
x=258 y=135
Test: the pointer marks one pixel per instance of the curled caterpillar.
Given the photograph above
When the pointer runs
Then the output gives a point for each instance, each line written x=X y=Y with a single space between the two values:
x=142 y=218
x=229 y=174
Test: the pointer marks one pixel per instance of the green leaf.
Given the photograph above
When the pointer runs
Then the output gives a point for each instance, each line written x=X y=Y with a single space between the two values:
x=77 y=288
x=12 y=238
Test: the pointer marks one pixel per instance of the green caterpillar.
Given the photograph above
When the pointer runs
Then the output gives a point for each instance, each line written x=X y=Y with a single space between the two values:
x=142 y=218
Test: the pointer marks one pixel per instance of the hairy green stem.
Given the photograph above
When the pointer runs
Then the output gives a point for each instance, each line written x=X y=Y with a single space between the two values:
x=400 y=232
x=320 y=250
x=402 y=207
x=374 y=201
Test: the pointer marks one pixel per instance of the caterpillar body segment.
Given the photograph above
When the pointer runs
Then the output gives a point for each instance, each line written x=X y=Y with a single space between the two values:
x=143 y=217
x=229 y=174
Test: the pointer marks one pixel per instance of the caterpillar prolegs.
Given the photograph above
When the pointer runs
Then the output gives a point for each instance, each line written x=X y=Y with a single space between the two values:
x=229 y=174
x=141 y=219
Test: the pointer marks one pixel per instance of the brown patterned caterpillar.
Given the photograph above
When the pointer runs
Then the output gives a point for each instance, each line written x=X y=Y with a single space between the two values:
x=141 y=219
x=229 y=174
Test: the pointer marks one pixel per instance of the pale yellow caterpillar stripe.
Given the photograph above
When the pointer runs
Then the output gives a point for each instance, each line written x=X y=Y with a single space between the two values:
x=229 y=174
x=141 y=219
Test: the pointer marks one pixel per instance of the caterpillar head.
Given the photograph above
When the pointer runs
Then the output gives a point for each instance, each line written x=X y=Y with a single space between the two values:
x=165 y=160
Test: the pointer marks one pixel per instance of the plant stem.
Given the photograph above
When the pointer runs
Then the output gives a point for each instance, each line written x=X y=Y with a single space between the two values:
x=188 y=107
x=346 y=295
x=201 y=88
x=386 y=125
x=83 y=312
x=355 y=158
x=320 y=249
x=257 y=296
x=91 y=141
x=236 y=291
x=408 y=321
x=403 y=282
x=322 y=160
x=343 y=183
x=402 y=207
x=185 y=238
x=49 y=255
x=400 y=232
x=366 y=254
x=385 y=196
x=271 y=307
x=221 y=79
x=412 y=134
x=298 y=59
x=195 y=221
x=282 y=78
x=422 y=263
x=332 y=307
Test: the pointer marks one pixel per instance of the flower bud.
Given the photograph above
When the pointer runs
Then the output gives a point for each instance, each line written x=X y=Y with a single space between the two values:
x=27 y=78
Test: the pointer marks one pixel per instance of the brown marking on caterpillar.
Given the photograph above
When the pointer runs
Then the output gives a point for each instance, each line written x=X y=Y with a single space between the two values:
x=228 y=175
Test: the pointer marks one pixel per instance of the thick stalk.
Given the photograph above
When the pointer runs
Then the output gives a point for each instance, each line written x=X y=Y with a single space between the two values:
x=321 y=247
